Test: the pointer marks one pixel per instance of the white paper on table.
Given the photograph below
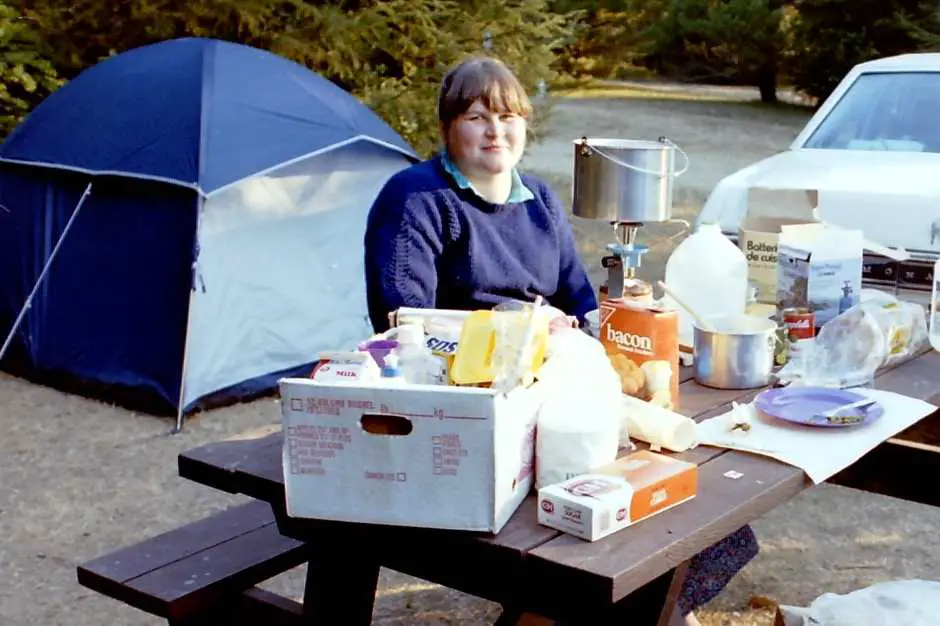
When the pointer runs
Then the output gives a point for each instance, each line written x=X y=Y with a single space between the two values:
x=820 y=452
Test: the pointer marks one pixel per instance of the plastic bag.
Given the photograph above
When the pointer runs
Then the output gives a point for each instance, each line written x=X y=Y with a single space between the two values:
x=894 y=603
x=521 y=329
x=851 y=347
x=579 y=423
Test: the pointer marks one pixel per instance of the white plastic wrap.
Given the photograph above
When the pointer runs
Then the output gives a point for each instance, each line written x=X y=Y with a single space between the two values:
x=894 y=603
x=850 y=348
x=579 y=422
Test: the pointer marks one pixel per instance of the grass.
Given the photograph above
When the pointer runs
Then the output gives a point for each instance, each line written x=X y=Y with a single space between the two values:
x=616 y=90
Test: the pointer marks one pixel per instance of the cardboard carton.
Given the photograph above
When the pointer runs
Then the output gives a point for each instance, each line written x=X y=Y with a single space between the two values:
x=819 y=268
x=423 y=455
x=769 y=210
x=642 y=342
x=617 y=495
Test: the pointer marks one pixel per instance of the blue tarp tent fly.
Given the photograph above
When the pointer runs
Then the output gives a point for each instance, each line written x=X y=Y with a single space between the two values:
x=185 y=221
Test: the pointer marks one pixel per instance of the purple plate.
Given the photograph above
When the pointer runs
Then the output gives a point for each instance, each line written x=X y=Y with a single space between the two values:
x=800 y=404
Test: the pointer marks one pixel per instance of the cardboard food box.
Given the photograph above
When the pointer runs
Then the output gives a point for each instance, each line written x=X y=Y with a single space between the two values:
x=422 y=456
x=642 y=343
x=610 y=498
x=819 y=268
x=768 y=211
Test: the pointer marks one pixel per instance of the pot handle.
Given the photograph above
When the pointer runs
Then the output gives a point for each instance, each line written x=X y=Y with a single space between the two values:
x=586 y=148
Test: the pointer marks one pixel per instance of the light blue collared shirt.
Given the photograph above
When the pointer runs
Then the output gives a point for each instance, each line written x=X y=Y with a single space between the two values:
x=518 y=192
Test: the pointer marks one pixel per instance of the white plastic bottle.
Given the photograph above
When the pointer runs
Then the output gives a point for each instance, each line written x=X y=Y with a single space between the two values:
x=709 y=273
x=418 y=363
x=935 y=308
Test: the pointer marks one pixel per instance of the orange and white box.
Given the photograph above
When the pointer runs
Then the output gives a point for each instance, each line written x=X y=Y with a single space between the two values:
x=610 y=498
x=428 y=456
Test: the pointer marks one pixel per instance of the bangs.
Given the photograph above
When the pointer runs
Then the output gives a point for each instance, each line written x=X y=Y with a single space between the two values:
x=487 y=80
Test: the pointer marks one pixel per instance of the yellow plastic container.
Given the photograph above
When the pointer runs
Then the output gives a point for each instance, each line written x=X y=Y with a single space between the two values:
x=474 y=362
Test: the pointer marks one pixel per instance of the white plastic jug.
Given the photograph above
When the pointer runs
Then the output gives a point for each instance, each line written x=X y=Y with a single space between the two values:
x=709 y=273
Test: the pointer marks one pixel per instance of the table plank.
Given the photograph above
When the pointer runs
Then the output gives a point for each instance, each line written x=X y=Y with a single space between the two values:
x=569 y=569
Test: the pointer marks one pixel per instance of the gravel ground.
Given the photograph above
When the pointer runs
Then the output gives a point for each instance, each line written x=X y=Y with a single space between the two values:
x=80 y=478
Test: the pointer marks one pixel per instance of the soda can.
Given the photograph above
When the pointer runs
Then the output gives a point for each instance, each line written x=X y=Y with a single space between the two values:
x=800 y=323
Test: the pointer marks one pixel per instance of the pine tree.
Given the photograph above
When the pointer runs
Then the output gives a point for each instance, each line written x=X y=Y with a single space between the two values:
x=27 y=73
x=391 y=54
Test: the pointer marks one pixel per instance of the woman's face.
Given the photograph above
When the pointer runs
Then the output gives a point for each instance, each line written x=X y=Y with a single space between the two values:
x=486 y=143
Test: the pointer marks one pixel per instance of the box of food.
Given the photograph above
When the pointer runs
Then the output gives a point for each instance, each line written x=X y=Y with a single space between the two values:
x=429 y=456
x=642 y=343
x=612 y=497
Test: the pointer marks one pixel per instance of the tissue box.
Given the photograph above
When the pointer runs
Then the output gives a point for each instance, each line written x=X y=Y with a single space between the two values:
x=612 y=497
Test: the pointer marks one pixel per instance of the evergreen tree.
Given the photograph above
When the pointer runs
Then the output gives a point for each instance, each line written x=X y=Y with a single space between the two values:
x=391 y=54
x=27 y=73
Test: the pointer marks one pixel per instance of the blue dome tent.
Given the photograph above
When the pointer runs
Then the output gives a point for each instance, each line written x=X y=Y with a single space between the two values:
x=184 y=221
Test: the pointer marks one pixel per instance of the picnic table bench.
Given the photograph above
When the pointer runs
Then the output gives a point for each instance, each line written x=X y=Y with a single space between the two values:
x=632 y=576
x=204 y=573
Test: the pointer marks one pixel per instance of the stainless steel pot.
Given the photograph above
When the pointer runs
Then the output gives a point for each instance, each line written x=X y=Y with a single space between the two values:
x=625 y=180
x=737 y=353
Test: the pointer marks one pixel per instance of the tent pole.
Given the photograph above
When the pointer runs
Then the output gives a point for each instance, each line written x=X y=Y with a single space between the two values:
x=32 y=294
x=178 y=428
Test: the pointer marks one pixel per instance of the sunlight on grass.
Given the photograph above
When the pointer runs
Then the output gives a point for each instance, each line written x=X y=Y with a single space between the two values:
x=637 y=93
x=761 y=617
x=409 y=588
x=878 y=539
x=677 y=93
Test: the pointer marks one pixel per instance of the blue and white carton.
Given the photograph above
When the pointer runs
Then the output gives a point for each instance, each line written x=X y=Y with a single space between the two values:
x=819 y=267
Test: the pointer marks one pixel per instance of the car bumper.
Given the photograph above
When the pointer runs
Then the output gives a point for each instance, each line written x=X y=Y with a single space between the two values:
x=910 y=280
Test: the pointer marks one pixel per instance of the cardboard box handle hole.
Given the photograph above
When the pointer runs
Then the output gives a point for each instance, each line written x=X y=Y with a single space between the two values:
x=386 y=424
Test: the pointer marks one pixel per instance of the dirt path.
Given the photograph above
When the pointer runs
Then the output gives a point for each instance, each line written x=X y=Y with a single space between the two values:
x=80 y=478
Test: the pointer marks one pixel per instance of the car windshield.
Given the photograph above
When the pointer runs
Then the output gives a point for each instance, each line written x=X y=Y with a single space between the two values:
x=884 y=111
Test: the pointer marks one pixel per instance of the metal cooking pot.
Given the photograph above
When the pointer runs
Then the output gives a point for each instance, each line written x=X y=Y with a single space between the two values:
x=738 y=353
x=625 y=180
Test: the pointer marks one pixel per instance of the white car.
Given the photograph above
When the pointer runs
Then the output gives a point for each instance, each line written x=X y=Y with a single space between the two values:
x=872 y=152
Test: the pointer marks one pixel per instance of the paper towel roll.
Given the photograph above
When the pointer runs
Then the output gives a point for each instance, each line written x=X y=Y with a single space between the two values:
x=657 y=426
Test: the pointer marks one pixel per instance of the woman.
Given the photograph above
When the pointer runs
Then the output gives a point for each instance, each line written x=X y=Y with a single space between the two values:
x=465 y=230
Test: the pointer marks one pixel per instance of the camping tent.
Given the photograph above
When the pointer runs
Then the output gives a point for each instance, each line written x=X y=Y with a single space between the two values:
x=185 y=221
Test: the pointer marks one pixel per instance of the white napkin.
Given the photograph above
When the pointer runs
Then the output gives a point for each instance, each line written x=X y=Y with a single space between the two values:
x=820 y=452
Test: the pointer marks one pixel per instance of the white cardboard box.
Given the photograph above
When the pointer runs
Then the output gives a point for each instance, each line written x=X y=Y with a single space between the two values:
x=465 y=462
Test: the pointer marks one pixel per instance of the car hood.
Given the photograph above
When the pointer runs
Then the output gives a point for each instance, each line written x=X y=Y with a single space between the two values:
x=877 y=184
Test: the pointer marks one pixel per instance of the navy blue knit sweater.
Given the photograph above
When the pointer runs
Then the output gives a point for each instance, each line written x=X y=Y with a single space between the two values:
x=431 y=244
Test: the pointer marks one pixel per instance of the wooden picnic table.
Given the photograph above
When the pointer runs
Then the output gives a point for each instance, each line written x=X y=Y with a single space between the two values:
x=630 y=577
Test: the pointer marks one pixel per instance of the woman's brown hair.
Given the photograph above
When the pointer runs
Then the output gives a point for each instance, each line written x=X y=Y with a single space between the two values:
x=485 y=79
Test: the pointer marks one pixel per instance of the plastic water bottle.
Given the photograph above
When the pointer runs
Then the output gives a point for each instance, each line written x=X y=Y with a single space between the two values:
x=709 y=273
x=418 y=363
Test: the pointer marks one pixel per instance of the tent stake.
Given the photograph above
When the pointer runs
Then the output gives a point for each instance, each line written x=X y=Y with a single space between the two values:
x=45 y=270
